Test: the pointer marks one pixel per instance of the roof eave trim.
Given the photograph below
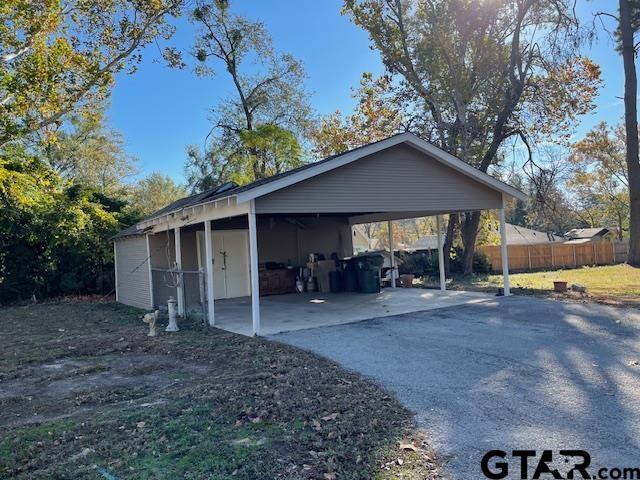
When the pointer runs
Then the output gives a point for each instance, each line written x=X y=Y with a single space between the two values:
x=349 y=157
x=151 y=221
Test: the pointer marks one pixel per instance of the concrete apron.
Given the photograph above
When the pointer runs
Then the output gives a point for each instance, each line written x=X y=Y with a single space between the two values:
x=298 y=311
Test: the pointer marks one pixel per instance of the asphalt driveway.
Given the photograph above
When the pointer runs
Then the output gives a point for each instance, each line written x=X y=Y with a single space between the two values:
x=514 y=373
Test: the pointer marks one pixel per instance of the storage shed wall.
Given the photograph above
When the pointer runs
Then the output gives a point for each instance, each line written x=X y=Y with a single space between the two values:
x=132 y=272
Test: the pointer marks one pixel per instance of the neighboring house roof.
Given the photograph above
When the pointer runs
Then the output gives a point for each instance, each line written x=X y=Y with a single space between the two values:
x=587 y=233
x=577 y=241
x=267 y=185
x=426 y=242
x=517 y=235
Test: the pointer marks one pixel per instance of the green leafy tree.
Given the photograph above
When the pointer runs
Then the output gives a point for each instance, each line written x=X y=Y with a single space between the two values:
x=60 y=56
x=155 y=192
x=267 y=150
x=377 y=115
x=268 y=111
x=27 y=194
x=90 y=154
x=54 y=235
x=600 y=181
x=481 y=73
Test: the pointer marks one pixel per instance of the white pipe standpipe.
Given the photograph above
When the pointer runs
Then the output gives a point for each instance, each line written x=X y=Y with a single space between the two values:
x=253 y=261
x=208 y=256
x=171 y=309
x=392 y=259
x=504 y=255
x=443 y=279
x=180 y=279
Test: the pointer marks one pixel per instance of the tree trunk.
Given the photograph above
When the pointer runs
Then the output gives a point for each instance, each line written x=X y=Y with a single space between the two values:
x=469 y=233
x=620 y=220
x=631 y=127
x=452 y=226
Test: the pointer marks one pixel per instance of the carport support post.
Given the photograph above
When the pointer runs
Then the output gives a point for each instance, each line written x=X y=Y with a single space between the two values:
x=504 y=252
x=180 y=285
x=443 y=278
x=253 y=261
x=208 y=256
x=392 y=259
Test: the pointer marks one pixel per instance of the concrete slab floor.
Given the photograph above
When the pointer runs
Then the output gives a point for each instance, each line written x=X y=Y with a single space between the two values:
x=298 y=311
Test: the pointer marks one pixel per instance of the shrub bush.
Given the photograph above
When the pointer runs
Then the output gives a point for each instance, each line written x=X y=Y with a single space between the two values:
x=54 y=238
x=418 y=263
x=480 y=262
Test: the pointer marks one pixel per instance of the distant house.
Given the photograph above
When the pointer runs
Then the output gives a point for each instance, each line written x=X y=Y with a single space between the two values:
x=517 y=235
x=426 y=242
x=362 y=242
x=590 y=235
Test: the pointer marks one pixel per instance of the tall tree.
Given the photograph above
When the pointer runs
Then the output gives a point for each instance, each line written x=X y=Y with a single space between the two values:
x=629 y=23
x=58 y=56
x=600 y=180
x=482 y=72
x=377 y=115
x=548 y=207
x=90 y=154
x=269 y=109
x=155 y=192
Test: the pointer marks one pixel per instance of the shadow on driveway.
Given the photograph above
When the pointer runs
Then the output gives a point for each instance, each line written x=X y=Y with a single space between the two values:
x=514 y=373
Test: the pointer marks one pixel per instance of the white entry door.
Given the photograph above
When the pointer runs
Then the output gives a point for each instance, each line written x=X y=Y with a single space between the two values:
x=230 y=262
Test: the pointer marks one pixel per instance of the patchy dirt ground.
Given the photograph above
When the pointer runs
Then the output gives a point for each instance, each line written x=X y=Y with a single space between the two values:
x=84 y=393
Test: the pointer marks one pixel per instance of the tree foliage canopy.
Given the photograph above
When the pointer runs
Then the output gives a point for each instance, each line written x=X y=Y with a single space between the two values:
x=377 y=115
x=265 y=117
x=89 y=153
x=60 y=56
x=155 y=192
x=600 y=181
x=53 y=233
x=476 y=73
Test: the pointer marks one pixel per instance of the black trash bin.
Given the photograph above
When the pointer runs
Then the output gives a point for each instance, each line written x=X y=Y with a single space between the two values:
x=368 y=281
x=367 y=268
x=335 y=282
x=349 y=281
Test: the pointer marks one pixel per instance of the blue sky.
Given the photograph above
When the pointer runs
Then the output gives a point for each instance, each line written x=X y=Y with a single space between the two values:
x=160 y=111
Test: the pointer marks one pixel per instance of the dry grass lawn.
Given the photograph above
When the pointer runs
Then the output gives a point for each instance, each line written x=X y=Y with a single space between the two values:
x=84 y=393
x=607 y=283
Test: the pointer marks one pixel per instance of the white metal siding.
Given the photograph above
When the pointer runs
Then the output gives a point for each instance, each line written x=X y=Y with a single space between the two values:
x=398 y=179
x=132 y=272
